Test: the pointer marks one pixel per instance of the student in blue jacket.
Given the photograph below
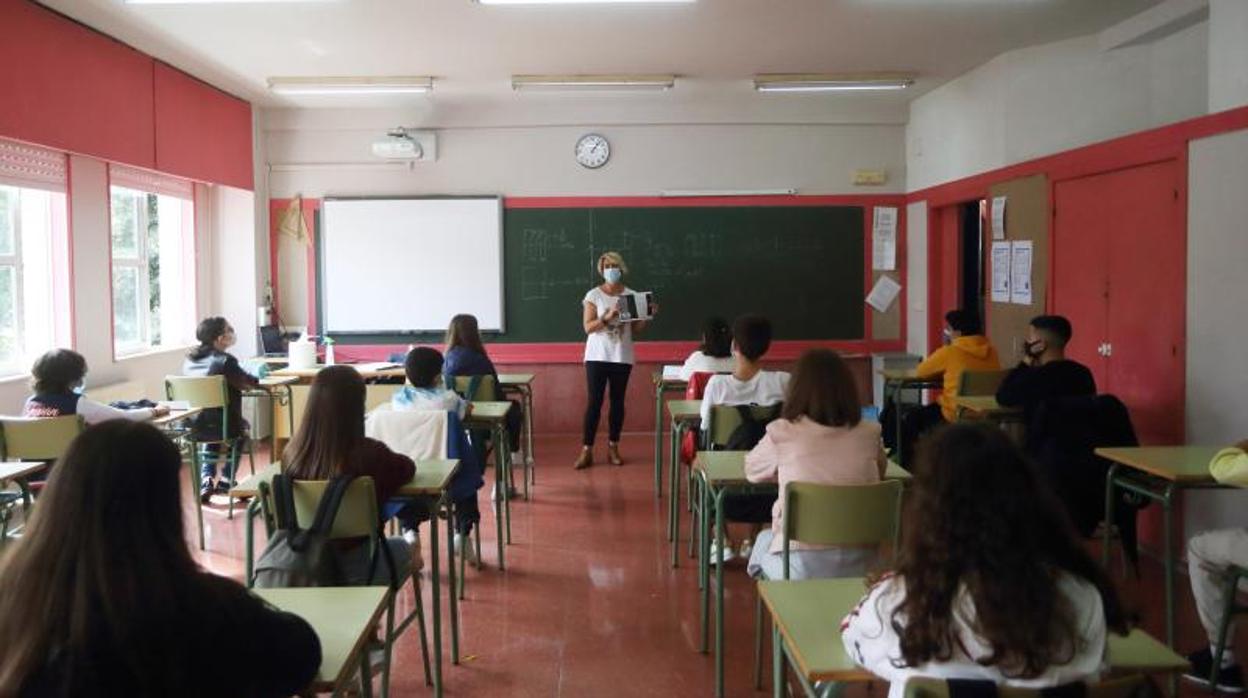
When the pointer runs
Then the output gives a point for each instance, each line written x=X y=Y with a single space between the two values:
x=465 y=356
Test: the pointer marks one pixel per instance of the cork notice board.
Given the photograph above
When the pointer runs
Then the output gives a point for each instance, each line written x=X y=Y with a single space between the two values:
x=1026 y=218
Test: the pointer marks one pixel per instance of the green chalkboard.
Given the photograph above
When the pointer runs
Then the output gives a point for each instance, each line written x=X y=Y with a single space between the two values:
x=803 y=267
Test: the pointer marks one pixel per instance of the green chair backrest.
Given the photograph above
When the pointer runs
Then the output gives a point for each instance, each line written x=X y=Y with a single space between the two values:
x=1126 y=687
x=725 y=419
x=484 y=388
x=38 y=438
x=206 y=392
x=357 y=515
x=848 y=515
x=980 y=382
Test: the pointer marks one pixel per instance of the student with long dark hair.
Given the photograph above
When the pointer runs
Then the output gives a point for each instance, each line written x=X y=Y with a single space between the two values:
x=991 y=582
x=330 y=441
x=211 y=358
x=101 y=595
x=466 y=356
x=714 y=354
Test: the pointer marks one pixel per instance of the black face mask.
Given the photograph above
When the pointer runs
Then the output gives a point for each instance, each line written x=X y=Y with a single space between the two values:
x=1033 y=349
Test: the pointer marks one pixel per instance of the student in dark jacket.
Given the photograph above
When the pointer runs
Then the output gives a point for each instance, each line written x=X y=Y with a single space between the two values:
x=60 y=389
x=210 y=358
x=330 y=441
x=1045 y=373
x=465 y=356
x=102 y=598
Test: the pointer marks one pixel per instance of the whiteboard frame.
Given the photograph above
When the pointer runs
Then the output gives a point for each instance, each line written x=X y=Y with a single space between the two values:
x=321 y=275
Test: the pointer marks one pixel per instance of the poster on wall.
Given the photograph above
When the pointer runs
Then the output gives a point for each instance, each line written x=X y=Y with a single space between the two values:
x=998 y=217
x=883 y=293
x=1000 y=272
x=884 y=239
x=1020 y=272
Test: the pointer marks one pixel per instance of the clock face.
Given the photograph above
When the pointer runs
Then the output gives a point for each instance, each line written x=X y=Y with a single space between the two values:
x=592 y=151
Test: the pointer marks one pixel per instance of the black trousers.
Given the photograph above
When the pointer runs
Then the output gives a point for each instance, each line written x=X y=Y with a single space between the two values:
x=914 y=424
x=599 y=376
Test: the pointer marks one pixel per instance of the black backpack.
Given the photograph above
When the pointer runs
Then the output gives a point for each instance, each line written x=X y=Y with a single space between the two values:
x=753 y=426
x=296 y=557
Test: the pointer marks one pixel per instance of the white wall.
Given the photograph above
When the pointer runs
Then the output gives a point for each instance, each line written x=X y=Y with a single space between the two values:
x=1228 y=54
x=1045 y=99
x=1217 y=284
x=235 y=263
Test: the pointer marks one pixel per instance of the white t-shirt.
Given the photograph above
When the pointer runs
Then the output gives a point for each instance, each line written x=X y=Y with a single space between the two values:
x=701 y=363
x=765 y=388
x=871 y=641
x=613 y=343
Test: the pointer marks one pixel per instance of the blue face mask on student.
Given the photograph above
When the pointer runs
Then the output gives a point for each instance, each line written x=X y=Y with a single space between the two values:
x=80 y=388
x=612 y=275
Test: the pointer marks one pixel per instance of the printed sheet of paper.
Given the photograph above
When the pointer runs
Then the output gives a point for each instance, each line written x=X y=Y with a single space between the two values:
x=1020 y=272
x=1000 y=272
x=884 y=239
x=998 y=218
x=883 y=293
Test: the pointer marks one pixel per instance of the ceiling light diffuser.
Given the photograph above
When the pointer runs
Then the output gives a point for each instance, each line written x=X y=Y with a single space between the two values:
x=833 y=82
x=350 y=85
x=606 y=83
x=585 y=2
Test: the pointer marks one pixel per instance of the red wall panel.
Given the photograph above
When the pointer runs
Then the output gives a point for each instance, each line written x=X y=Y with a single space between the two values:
x=201 y=132
x=66 y=86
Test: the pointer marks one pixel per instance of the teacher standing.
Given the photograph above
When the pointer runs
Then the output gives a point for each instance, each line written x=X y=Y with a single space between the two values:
x=608 y=358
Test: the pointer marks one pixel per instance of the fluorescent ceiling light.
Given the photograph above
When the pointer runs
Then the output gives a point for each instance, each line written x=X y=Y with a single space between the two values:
x=212 y=2
x=584 y=2
x=553 y=83
x=871 y=82
x=351 y=86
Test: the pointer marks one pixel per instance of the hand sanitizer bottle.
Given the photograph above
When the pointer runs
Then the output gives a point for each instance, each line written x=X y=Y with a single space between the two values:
x=329 y=351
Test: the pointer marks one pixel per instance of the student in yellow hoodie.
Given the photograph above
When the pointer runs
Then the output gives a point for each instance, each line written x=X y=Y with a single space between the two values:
x=1209 y=555
x=966 y=348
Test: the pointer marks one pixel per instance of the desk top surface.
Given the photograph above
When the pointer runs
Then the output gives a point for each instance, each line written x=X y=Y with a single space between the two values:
x=175 y=416
x=342 y=618
x=1176 y=463
x=728 y=467
x=487 y=411
x=907 y=375
x=685 y=409
x=984 y=405
x=432 y=477
x=19 y=469
x=506 y=379
x=809 y=614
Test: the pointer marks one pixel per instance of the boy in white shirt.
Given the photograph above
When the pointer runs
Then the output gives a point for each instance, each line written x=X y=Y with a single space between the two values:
x=748 y=384
x=425 y=390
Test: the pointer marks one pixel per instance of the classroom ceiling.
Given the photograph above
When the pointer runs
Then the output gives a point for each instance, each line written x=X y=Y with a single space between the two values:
x=472 y=49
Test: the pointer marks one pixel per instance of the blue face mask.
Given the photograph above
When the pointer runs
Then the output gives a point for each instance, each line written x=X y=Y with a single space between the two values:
x=946 y=336
x=80 y=388
x=612 y=275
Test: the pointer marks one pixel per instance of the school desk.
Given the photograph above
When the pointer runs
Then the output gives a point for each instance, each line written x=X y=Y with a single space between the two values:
x=276 y=389
x=343 y=619
x=723 y=473
x=1156 y=472
x=986 y=407
x=522 y=384
x=896 y=382
x=806 y=630
x=685 y=415
x=664 y=383
x=369 y=371
x=432 y=483
x=18 y=471
x=169 y=420
x=493 y=416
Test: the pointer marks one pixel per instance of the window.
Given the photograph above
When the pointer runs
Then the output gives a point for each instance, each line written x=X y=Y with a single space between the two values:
x=153 y=264
x=33 y=309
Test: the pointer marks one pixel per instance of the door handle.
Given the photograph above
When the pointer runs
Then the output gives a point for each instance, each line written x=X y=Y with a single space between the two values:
x=1109 y=349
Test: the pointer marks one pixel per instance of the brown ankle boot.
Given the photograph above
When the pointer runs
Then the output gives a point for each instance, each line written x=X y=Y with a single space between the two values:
x=584 y=460
x=613 y=454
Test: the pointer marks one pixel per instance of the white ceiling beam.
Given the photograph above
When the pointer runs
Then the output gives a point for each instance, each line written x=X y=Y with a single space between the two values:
x=1152 y=24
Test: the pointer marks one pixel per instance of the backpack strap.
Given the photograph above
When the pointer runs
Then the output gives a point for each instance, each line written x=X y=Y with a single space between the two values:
x=327 y=509
x=474 y=384
x=284 y=503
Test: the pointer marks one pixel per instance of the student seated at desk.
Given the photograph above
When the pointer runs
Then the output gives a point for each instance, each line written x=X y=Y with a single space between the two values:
x=821 y=438
x=210 y=358
x=101 y=596
x=991 y=582
x=748 y=384
x=1045 y=373
x=714 y=355
x=59 y=383
x=1209 y=556
x=465 y=356
x=330 y=441
x=966 y=349
x=424 y=368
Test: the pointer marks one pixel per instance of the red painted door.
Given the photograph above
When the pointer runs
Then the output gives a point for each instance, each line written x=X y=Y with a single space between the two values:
x=1120 y=276
x=944 y=271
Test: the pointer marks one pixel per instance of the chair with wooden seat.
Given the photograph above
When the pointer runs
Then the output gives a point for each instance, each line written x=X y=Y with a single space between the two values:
x=209 y=393
x=1126 y=687
x=358 y=518
x=976 y=383
x=833 y=515
x=32 y=439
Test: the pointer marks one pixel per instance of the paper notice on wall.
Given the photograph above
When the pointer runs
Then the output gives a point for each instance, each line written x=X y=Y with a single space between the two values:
x=884 y=239
x=883 y=293
x=1020 y=272
x=1000 y=272
x=998 y=217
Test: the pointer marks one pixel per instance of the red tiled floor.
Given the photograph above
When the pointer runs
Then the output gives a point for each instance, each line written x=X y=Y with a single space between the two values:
x=589 y=604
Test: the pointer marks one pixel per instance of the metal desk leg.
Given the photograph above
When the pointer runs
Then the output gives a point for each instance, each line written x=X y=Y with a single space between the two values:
x=673 y=454
x=658 y=439
x=1109 y=514
x=450 y=575
x=503 y=463
x=704 y=571
x=1167 y=544
x=777 y=663
x=673 y=511
x=526 y=425
x=435 y=577
x=719 y=593
x=500 y=493
x=249 y=541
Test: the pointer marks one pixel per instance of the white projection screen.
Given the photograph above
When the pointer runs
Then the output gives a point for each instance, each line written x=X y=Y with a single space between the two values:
x=399 y=265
